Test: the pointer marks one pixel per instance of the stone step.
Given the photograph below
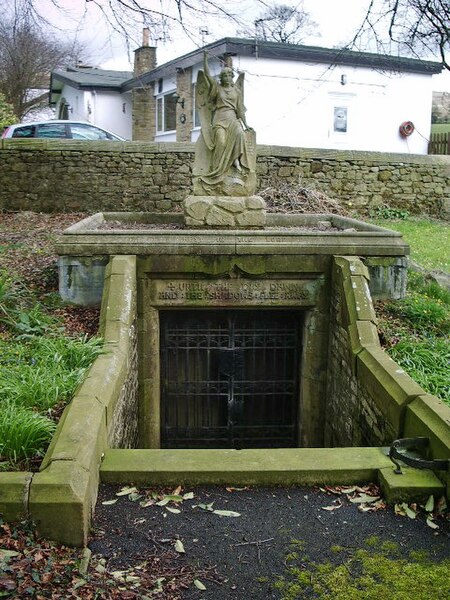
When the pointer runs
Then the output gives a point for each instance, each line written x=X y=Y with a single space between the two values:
x=279 y=466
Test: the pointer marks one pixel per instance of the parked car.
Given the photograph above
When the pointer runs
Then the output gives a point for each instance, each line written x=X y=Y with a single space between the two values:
x=63 y=130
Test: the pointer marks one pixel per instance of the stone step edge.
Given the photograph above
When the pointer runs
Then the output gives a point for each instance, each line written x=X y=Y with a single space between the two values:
x=280 y=466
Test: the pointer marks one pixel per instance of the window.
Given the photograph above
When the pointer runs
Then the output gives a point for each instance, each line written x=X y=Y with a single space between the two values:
x=159 y=114
x=23 y=132
x=166 y=110
x=52 y=130
x=340 y=119
x=196 y=118
x=88 y=132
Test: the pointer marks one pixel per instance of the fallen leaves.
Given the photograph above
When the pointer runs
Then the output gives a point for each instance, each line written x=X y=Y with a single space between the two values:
x=171 y=502
x=366 y=497
x=404 y=510
x=5 y=554
x=126 y=491
x=433 y=510
x=36 y=568
x=226 y=513
x=332 y=507
x=28 y=240
x=199 y=585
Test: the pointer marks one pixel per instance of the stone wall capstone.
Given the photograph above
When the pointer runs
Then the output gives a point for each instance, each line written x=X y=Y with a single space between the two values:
x=68 y=176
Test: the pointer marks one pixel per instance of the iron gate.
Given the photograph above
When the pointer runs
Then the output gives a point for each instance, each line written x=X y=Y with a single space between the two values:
x=229 y=378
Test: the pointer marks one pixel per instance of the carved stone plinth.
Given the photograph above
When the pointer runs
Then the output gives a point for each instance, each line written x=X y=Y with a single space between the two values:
x=225 y=212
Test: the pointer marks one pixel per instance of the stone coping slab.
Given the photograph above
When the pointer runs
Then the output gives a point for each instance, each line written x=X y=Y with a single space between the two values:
x=283 y=234
x=324 y=154
x=275 y=466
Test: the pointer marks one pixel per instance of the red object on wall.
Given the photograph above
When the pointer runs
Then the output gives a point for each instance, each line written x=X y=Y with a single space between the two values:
x=406 y=128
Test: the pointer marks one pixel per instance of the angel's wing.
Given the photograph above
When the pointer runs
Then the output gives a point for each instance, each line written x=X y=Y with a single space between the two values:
x=240 y=86
x=240 y=83
x=203 y=107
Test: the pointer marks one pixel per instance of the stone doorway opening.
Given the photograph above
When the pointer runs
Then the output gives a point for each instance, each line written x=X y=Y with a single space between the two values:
x=230 y=378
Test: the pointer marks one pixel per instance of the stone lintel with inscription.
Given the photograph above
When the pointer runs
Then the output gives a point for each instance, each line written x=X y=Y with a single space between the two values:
x=234 y=292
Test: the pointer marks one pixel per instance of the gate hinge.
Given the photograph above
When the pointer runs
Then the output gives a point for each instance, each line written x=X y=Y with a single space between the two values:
x=399 y=452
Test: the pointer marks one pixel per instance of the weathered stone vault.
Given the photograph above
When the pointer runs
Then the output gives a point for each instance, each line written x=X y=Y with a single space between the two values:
x=350 y=396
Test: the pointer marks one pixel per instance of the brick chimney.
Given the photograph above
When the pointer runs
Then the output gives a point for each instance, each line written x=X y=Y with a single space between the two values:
x=143 y=99
x=145 y=56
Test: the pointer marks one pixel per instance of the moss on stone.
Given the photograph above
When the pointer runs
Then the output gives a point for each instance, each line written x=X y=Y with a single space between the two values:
x=377 y=571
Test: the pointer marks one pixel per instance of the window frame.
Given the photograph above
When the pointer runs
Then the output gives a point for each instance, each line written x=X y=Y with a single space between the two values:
x=162 y=112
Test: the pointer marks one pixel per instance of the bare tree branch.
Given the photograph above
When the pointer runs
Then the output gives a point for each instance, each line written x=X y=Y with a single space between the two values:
x=417 y=27
x=27 y=57
x=283 y=23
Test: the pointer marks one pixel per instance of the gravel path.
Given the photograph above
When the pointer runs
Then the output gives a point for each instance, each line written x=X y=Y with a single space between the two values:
x=237 y=557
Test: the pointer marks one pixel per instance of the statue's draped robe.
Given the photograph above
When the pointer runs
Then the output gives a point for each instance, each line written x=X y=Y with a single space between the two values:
x=226 y=109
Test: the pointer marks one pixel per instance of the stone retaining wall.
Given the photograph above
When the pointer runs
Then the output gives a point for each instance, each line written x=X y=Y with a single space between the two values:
x=354 y=418
x=61 y=497
x=370 y=400
x=53 y=175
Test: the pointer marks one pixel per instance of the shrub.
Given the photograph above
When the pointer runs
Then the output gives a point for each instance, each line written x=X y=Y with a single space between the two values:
x=7 y=116
x=388 y=212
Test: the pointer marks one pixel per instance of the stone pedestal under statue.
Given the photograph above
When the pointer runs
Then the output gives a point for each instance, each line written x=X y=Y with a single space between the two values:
x=225 y=211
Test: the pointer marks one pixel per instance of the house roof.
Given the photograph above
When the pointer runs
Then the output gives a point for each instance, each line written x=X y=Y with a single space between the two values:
x=87 y=78
x=291 y=52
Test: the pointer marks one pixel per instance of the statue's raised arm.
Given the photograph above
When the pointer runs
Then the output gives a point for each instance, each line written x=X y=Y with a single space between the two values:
x=225 y=154
x=206 y=69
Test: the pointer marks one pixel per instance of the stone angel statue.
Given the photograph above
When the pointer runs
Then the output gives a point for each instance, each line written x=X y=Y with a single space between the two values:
x=225 y=156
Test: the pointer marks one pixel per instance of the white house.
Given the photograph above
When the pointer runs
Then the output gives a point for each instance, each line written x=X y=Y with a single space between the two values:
x=295 y=96
x=93 y=95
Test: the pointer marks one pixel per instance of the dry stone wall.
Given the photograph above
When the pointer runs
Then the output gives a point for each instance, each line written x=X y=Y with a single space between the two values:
x=53 y=175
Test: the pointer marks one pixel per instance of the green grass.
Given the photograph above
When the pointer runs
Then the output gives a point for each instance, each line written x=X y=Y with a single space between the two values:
x=416 y=332
x=427 y=362
x=428 y=239
x=24 y=434
x=40 y=372
x=440 y=127
x=40 y=369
